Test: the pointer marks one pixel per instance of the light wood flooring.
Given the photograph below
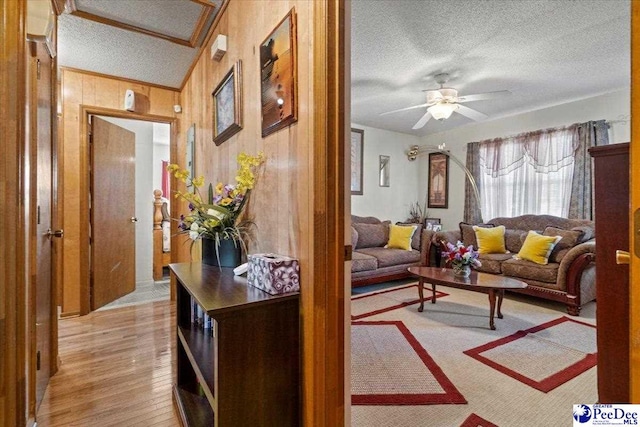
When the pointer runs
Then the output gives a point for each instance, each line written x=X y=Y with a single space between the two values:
x=115 y=369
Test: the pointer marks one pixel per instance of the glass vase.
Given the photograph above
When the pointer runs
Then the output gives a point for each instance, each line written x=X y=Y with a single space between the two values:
x=461 y=270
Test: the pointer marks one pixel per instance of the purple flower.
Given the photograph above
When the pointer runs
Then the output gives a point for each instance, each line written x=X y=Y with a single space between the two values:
x=191 y=207
x=217 y=199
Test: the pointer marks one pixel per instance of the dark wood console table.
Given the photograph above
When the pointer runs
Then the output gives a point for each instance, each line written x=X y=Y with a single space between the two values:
x=241 y=368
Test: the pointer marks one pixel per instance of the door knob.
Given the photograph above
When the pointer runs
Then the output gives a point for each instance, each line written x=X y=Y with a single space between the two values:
x=134 y=219
x=57 y=233
x=622 y=257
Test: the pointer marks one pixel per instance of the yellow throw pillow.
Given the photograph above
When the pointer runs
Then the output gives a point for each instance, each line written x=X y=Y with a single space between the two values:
x=490 y=240
x=400 y=236
x=537 y=248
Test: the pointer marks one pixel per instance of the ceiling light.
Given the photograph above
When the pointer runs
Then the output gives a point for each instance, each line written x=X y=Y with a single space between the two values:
x=442 y=110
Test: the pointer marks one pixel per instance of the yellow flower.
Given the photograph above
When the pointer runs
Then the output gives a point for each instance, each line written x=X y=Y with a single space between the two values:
x=226 y=201
x=198 y=182
x=219 y=188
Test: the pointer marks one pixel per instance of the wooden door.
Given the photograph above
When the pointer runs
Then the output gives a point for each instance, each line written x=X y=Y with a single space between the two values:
x=112 y=205
x=634 y=214
x=40 y=90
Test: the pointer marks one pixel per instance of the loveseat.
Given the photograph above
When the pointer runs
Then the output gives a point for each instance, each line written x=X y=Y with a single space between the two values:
x=372 y=262
x=569 y=276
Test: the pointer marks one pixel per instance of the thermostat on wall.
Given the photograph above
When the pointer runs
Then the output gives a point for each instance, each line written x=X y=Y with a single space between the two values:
x=129 y=100
x=219 y=47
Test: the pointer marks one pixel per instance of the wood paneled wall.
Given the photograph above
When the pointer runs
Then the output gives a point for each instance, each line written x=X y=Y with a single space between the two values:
x=295 y=205
x=14 y=215
x=85 y=89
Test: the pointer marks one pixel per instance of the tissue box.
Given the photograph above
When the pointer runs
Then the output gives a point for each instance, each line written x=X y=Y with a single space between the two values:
x=275 y=274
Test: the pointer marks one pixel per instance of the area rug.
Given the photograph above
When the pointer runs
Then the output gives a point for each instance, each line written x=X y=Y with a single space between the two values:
x=460 y=322
x=390 y=299
x=544 y=356
x=390 y=367
x=475 y=420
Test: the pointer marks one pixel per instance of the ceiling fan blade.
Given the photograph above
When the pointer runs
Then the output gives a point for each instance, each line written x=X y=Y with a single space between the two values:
x=483 y=96
x=471 y=113
x=423 y=121
x=404 y=109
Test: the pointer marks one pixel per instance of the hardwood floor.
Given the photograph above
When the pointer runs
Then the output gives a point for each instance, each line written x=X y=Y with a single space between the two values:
x=115 y=369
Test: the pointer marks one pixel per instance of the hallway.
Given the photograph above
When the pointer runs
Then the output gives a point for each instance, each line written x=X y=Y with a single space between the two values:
x=115 y=369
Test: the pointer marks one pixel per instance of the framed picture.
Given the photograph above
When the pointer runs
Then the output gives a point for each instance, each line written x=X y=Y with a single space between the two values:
x=437 y=227
x=278 y=75
x=190 y=154
x=357 y=152
x=438 y=180
x=227 y=105
x=430 y=223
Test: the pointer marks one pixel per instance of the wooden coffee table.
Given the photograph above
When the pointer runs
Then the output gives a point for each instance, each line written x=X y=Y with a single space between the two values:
x=492 y=284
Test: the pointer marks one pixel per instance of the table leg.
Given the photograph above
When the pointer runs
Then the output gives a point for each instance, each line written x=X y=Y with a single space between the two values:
x=433 y=293
x=500 y=296
x=421 y=294
x=492 y=308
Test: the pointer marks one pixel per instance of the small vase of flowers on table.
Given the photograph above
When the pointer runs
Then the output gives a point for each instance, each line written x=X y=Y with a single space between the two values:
x=461 y=258
x=218 y=221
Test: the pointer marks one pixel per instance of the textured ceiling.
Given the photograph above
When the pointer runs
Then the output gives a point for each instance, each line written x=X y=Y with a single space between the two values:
x=175 y=18
x=94 y=46
x=544 y=52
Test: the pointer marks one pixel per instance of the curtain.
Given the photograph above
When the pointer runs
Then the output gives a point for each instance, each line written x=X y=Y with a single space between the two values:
x=472 y=213
x=530 y=173
x=590 y=134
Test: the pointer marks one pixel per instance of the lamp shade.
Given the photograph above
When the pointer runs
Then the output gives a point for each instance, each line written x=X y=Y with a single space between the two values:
x=442 y=110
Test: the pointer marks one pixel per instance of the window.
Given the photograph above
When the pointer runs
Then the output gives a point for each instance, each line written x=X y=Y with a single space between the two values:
x=528 y=174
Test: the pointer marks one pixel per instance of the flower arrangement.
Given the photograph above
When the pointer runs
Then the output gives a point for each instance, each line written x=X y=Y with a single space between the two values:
x=220 y=216
x=461 y=257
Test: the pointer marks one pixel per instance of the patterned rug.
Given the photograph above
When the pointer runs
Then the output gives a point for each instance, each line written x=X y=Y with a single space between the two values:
x=390 y=367
x=390 y=299
x=544 y=356
x=387 y=362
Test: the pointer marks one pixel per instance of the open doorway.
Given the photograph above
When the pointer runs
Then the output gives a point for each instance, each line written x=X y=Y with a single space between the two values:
x=143 y=155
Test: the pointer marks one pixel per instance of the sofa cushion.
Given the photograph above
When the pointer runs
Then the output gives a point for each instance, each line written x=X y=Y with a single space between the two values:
x=417 y=236
x=570 y=238
x=372 y=235
x=588 y=232
x=490 y=240
x=365 y=219
x=524 y=269
x=513 y=240
x=468 y=234
x=354 y=237
x=363 y=262
x=400 y=236
x=389 y=257
x=537 y=248
x=492 y=263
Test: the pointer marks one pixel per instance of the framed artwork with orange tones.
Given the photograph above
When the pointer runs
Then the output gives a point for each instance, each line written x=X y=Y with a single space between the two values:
x=278 y=75
x=438 y=180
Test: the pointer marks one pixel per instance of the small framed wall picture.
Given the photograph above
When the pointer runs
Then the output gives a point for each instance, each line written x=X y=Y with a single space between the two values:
x=227 y=105
x=278 y=76
x=438 y=180
x=357 y=152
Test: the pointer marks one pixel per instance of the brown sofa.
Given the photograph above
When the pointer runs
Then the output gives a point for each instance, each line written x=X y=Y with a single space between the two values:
x=569 y=277
x=372 y=262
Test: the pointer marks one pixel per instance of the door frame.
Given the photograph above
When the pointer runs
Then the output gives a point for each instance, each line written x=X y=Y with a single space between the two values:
x=85 y=162
x=634 y=189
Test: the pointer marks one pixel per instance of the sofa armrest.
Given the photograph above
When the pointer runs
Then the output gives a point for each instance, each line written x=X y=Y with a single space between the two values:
x=570 y=272
x=435 y=245
x=425 y=246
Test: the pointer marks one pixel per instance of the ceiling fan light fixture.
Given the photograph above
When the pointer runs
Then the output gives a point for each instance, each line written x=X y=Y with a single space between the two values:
x=442 y=110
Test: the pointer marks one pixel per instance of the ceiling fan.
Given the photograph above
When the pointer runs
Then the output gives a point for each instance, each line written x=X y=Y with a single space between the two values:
x=442 y=102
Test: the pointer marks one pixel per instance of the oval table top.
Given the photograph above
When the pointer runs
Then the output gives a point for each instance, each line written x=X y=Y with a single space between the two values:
x=444 y=276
